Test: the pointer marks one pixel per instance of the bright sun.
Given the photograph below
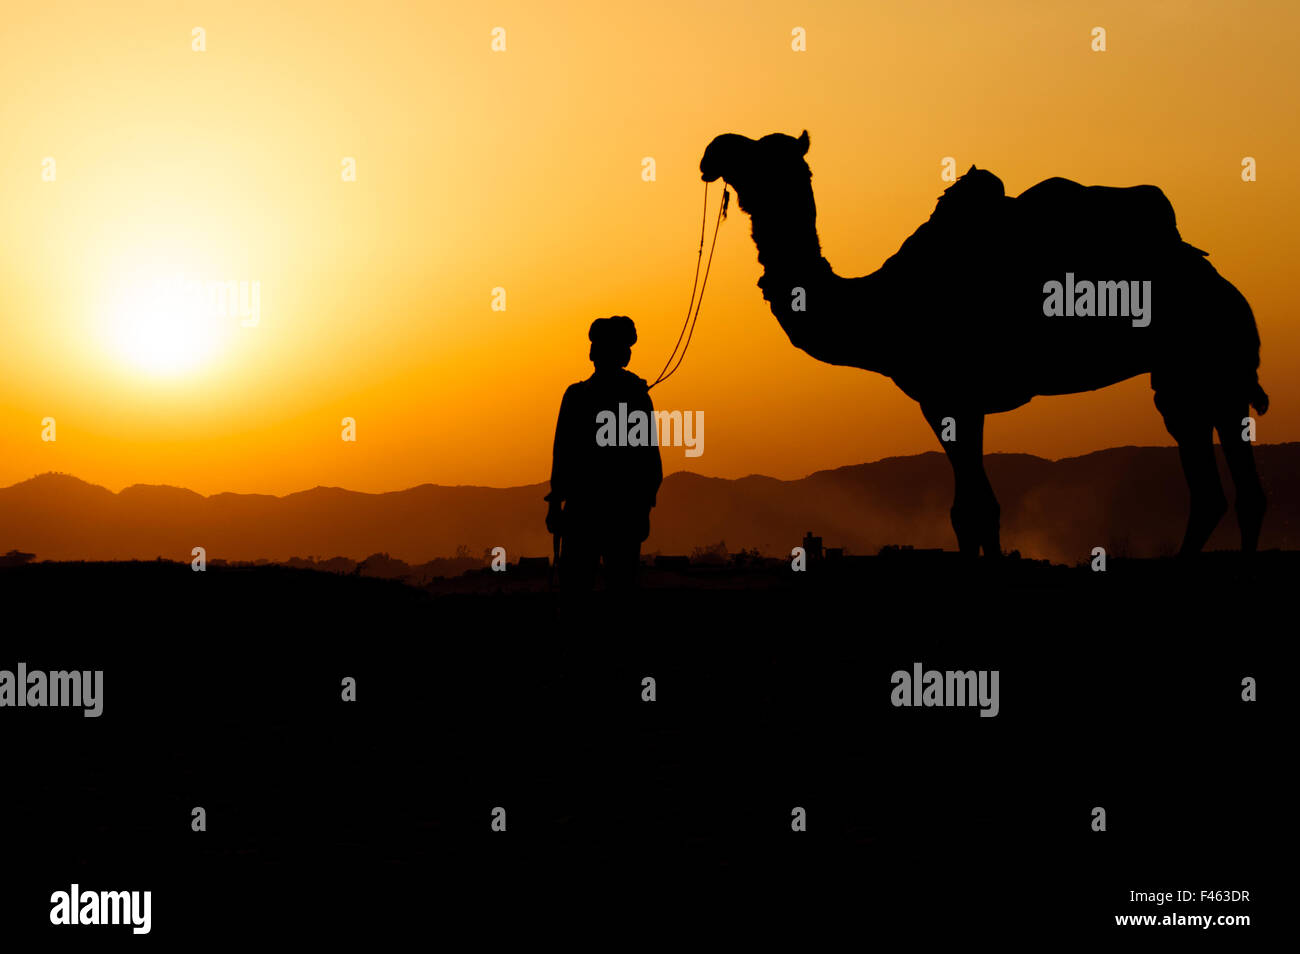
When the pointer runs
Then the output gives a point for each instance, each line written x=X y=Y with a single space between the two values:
x=164 y=325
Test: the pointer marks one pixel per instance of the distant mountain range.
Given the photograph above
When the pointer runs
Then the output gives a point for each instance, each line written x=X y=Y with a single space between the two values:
x=1131 y=500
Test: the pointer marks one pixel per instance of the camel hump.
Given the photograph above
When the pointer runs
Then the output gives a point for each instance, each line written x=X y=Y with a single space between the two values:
x=969 y=209
x=972 y=193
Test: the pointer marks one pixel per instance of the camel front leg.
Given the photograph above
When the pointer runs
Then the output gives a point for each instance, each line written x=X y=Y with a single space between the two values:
x=975 y=512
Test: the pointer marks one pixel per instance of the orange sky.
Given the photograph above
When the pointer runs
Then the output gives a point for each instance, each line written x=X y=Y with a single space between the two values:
x=522 y=169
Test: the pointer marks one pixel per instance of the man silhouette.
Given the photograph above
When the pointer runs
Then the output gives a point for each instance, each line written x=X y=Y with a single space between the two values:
x=606 y=475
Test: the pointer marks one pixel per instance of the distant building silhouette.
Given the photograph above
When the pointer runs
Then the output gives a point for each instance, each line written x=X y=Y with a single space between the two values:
x=672 y=562
x=533 y=566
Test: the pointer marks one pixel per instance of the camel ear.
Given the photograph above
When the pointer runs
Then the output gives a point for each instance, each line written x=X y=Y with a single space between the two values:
x=803 y=143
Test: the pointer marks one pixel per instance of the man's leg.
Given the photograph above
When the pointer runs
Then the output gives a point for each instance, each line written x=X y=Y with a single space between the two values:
x=622 y=556
x=579 y=557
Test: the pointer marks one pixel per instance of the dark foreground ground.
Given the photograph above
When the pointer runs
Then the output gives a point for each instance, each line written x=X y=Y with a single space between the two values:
x=223 y=690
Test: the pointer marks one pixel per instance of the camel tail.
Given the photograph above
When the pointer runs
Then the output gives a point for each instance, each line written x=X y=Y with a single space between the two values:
x=1259 y=400
x=1243 y=341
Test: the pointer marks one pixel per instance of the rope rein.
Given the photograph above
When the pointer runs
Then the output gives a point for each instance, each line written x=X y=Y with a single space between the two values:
x=688 y=326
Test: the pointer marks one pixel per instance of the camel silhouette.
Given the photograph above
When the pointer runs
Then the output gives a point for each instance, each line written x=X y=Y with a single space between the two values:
x=1062 y=289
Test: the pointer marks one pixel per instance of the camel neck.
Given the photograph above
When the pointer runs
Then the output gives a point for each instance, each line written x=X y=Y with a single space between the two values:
x=823 y=314
x=785 y=232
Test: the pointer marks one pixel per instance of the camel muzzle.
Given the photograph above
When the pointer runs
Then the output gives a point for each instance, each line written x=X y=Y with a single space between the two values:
x=720 y=155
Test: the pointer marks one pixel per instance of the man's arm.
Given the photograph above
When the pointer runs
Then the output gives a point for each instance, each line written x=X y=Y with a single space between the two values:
x=560 y=453
x=559 y=473
x=654 y=467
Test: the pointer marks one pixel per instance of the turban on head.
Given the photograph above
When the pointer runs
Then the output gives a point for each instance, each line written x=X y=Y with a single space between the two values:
x=618 y=331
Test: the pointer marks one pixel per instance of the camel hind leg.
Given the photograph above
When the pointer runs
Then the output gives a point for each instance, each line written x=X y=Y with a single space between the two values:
x=1195 y=436
x=1226 y=355
x=1250 y=502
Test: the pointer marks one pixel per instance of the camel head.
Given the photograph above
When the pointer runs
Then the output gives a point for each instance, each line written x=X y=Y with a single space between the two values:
x=752 y=166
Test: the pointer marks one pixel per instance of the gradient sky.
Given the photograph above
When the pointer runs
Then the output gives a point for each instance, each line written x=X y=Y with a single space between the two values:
x=522 y=170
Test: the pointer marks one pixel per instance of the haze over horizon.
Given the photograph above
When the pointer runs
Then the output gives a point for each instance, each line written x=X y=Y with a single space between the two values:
x=1133 y=504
